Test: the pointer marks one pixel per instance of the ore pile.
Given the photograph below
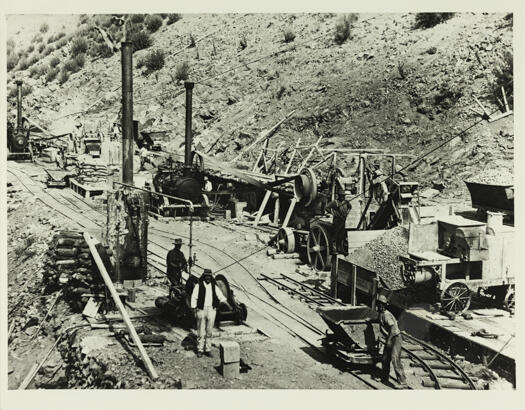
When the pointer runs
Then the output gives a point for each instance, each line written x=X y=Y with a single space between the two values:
x=496 y=176
x=71 y=267
x=381 y=256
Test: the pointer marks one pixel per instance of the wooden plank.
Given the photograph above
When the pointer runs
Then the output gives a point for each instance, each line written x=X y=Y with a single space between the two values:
x=262 y=207
x=109 y=284
x=289 y=213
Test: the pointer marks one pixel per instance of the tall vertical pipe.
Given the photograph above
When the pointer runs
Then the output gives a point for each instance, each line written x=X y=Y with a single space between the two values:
x=187 y=136
x=127 y=113
x=19 y=105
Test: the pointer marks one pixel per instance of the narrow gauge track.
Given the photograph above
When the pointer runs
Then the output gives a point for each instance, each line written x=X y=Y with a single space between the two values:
x=438 y=370
x=282 y=311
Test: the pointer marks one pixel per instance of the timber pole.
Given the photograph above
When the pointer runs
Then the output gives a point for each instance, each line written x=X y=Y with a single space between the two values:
x=127 y=112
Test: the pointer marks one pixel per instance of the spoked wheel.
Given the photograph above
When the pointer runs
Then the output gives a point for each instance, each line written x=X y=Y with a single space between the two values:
x=456 y=298
x=286 y=240
x=318 y=248
x=509 y=298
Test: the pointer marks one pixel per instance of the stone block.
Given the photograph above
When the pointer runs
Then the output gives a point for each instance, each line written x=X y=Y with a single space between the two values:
x=230 y=370
x=230 y=352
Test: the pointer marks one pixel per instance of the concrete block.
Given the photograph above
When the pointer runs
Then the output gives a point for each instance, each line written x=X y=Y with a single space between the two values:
x=230 y=370
x=230 y=351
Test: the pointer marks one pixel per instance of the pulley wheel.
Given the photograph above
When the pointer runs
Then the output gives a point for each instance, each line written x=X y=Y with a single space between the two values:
x=509 y=301
x=305 y=186
x=286 y=240
x=223 y=285
x=318 y=247
x=456 y=297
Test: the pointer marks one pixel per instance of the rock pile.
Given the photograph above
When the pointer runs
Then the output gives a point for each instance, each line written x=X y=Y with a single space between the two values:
x=71 y=267
x=91 y=174
x=381 y=256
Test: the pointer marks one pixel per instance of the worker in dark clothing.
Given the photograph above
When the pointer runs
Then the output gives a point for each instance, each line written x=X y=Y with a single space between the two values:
x=392 y=349
x=339 y=208
x=176 y=263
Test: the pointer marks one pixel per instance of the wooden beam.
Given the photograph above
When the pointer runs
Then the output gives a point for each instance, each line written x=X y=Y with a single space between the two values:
x=289 y=212
x=262 y=207
x=276 y=210
x=133 y=333
x=507 y=109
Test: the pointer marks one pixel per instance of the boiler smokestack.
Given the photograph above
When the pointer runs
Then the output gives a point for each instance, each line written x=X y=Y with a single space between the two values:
x=187 y=135
x=127 y=113
x=19 y=105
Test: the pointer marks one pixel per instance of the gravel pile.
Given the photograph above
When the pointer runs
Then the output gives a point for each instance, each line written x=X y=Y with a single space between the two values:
x=499 y=176
x=381 y=256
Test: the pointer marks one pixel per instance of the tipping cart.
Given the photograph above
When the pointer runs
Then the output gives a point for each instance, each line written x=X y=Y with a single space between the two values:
x=355 y=334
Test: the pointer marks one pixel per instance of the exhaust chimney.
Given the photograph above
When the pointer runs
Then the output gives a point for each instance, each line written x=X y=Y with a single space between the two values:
x=127 y=113
x=187 y=135
x=19 y=105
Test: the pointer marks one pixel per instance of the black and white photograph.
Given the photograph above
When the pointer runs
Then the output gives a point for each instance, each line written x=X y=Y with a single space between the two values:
x=260 y=201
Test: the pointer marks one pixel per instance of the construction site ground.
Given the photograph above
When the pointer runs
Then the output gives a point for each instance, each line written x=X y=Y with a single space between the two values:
x=277 y=347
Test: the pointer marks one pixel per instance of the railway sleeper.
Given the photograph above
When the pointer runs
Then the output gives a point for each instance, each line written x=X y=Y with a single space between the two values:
x=446 y=384
x=435 y=365
x=425 y=357
x=441 y=375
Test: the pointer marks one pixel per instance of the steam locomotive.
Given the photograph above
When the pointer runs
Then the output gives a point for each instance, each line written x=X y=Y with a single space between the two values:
x=18 y=143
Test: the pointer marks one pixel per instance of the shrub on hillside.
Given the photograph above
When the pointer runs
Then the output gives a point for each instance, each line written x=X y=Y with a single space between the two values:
x=243 y=43
x=61 y=42
x=289 y=36
x=103 y=20
x=52 y=74
x=12 y=61
x=153 y=61
x=504 y=77
x=41 y=47
x=37 y=38
x=173 y=18
x=79 y=46
x=26 y=90
x=153 y=22
x=55 y=61
x=48 y=50
x=60 y=35
x=22 y=64
x=141 y=40
x=10 y=43
x=64 y=76
x=32 y=60
x=137 y=18
x=37 y=71
x=101 y=50
x=74 y=64
x=44 y=28
x=427 y=20
x=343 y=28
x=83 y=18
x=31 y=48
x=182 y=72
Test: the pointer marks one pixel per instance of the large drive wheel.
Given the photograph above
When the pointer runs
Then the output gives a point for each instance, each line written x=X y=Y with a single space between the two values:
x=318 y=247
x=456 y=298
x=509 y=301
x=286 y=240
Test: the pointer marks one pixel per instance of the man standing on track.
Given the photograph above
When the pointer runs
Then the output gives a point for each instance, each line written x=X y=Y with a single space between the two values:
x=392 y=349
x=176 y=263
x=205 y=299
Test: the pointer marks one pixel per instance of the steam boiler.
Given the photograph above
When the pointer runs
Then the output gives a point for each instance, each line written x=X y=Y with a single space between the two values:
x=18 y=142
x=183 y=181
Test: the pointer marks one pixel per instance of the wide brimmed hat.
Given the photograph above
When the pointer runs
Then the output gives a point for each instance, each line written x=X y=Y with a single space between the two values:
x=177 y=241
x=382 y=299
x=207 y=272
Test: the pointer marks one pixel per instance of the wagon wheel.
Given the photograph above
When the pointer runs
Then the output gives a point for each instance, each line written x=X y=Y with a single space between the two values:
x=286 y=240
x=456 y=298
x=318 y=248
x=509 y=301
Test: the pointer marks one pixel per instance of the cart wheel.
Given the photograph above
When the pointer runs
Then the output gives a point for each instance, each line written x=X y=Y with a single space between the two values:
x=286 y=240
x=509 y=298
x=318 y=248
x=456 y=298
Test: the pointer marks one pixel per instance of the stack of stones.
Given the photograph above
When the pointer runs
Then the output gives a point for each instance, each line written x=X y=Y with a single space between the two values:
x=71 y=267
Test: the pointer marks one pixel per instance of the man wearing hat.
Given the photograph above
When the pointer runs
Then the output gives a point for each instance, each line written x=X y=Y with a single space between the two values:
x=205 y=299
x=176 y=263
x=340 y=208
x=392 y=349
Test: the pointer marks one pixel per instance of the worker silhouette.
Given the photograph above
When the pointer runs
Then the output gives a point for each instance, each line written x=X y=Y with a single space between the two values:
x=392 y=349
x=176 y=263
x=339 y=208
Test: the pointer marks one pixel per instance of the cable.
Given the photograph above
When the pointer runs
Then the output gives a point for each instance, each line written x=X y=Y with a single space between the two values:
x=239 y=260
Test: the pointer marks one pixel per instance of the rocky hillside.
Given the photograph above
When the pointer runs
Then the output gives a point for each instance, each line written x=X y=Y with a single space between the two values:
x=389 y=84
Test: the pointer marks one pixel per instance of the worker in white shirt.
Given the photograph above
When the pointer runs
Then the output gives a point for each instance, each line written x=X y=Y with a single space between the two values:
x=205 y=299
x=207 y=184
